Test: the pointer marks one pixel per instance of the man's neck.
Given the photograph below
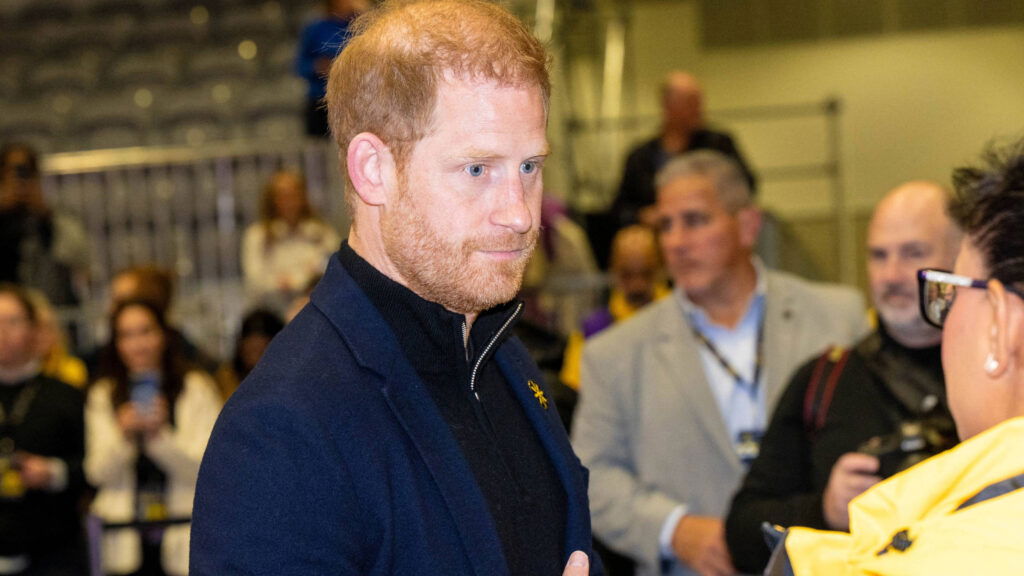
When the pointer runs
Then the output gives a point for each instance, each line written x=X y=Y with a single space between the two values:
x=726 y=305
x=918 y=337
x=470 y=318
x=377 y=259
x=10 y=375
x=675 y=140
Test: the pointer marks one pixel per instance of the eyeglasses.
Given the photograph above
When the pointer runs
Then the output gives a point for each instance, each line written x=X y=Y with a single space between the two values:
x=937 y=291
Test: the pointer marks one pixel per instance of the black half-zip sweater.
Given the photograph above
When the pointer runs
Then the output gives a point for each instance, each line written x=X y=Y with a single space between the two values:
x=525 y=497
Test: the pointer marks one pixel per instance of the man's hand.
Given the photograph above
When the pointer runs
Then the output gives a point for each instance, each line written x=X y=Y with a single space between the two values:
x=700 y=542
x=36 y=473
x=579 y=565
x=130 y=420
x=852 y=474
x=156 y=417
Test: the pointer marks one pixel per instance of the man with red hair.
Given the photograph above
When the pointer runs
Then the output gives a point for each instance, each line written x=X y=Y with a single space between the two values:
x=396 y=426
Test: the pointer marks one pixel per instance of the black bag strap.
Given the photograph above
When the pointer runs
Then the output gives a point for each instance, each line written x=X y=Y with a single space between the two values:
x=822 y=386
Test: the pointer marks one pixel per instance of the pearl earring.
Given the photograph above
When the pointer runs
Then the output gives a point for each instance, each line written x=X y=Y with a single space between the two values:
x=991 y=364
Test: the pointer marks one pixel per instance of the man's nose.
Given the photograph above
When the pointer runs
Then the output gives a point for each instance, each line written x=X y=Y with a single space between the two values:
x=895 y=271
x=513 y=211
x=674 y=237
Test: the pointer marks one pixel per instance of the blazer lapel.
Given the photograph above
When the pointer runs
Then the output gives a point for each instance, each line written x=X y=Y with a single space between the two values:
x=681 y=373
x=781 y=329
x=415 y=409
x=375 y=347
x=519 y=371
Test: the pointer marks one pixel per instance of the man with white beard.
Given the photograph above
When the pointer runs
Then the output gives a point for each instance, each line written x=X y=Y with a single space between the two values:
x=813 y=460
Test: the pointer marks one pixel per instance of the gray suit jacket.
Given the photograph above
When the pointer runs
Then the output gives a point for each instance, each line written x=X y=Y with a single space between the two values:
x=648 y=426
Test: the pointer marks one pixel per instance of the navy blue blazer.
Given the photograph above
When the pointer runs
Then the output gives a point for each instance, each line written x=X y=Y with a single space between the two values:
x=332 y=458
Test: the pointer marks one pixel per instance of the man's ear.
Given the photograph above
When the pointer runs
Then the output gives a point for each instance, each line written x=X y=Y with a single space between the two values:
x=1004 y=336
x=371 y=167
x=750 y=219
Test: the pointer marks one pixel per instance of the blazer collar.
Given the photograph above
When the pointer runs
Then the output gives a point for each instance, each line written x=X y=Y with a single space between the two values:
x=374 y=347
x=678 y=354
x=520 y=372
x=783 y=324
x=679 y=358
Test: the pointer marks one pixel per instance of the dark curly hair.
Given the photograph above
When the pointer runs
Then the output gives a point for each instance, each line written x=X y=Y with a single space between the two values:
x=989 y=207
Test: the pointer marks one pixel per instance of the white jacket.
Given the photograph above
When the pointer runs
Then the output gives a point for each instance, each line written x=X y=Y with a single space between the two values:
x=110 y=467
x=274 y=275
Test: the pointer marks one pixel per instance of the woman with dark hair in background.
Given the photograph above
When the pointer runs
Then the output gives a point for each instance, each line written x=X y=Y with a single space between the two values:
x=41 y=448
x=961 y=512
x=147 y=420
x=258 y=328
x=288 y=246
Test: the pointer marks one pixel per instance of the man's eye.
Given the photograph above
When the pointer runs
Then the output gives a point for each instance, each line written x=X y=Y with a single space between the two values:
x=475 y=170
x=695 y=220
x=529 y=167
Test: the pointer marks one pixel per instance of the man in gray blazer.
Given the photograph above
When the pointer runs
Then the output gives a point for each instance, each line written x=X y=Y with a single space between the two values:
x=674 y=401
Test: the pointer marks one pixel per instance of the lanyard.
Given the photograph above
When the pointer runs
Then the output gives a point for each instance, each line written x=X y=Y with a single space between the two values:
x=19 y=409
x=758 y=358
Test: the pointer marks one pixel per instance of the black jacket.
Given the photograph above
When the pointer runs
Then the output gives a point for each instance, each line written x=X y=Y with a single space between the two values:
x=879 y=387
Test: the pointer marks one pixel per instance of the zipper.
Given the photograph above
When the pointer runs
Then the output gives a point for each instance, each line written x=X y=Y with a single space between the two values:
x=487 y=349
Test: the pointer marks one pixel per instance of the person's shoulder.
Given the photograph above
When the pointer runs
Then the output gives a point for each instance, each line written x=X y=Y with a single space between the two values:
x=645 y=148
x=307 y=358
x=199 y=381
x=59 y=389
x=811 y=291
x=636 y=331
x=596 y=322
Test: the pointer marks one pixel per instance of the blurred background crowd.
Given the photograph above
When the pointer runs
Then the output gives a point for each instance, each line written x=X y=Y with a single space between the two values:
x=168 y=201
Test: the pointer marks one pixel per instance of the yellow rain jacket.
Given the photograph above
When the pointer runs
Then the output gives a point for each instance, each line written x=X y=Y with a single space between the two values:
x=933 y=518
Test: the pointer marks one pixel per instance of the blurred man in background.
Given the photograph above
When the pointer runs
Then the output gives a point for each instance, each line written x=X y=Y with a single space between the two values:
x=39 y=247
x=810 y=465
x=673 y=402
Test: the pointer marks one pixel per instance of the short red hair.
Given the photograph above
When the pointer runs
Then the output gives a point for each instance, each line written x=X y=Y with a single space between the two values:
x=385 y=81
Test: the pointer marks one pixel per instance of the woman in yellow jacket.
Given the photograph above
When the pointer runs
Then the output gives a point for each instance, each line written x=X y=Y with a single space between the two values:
x=961 y=512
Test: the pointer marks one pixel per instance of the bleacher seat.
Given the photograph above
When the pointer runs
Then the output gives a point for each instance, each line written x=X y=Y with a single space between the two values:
x=115 y=9
x=11 y=76
x=30 y=123
x=157 y=67
x=17 y=41
x=279 y=59
x=111 y=120
x=170 y=29
x=50 y=12
x=196 y=115
x=274 y=110
x=260 y=23
x=67 y=75
x=220 y=62
x=62 y=58
x=100 y=37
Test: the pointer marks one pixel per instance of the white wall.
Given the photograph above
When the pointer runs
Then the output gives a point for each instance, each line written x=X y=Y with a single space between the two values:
x=915 y=105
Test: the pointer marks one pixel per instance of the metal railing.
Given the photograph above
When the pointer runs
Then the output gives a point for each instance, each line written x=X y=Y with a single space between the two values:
x=185 y=209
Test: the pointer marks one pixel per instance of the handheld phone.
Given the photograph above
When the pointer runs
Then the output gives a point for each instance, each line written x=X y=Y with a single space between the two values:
x=144 y=393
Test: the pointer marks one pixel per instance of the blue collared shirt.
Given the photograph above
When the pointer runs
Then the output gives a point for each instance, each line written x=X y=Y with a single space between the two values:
x=741 y=405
